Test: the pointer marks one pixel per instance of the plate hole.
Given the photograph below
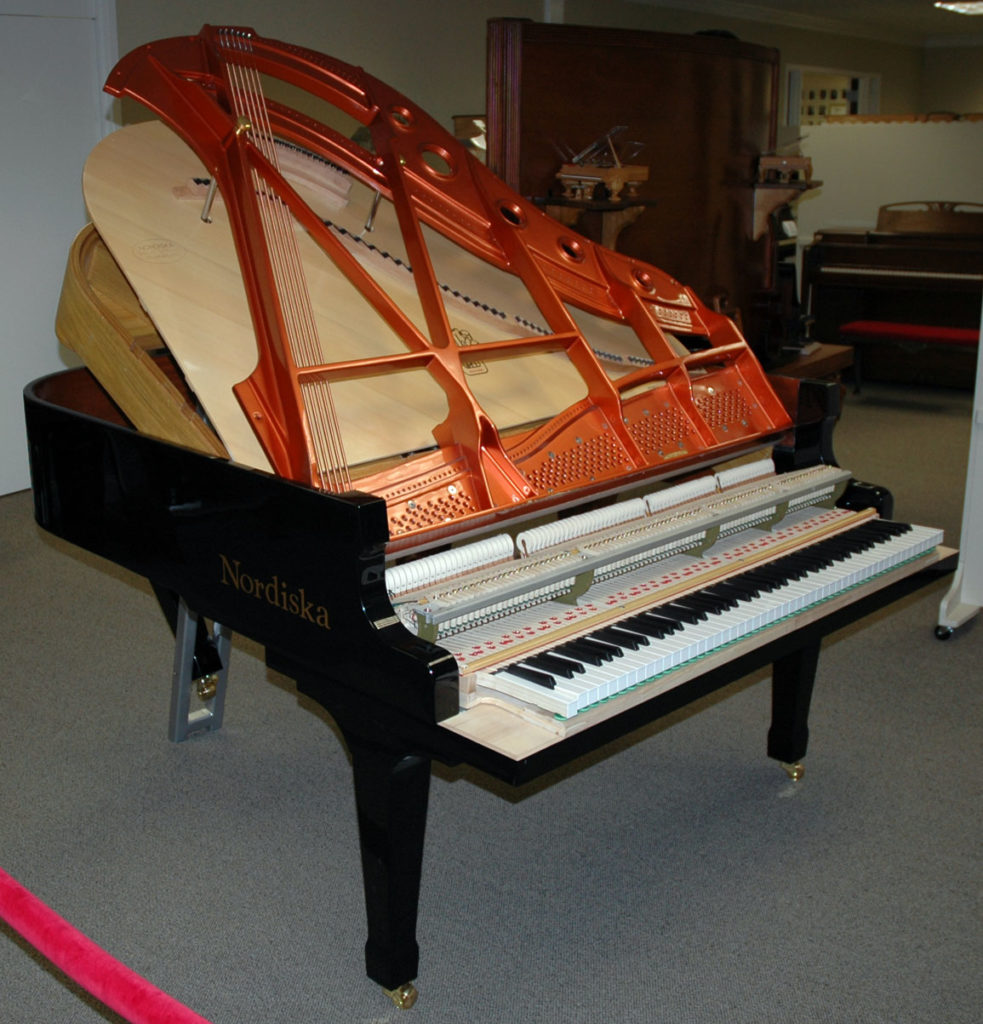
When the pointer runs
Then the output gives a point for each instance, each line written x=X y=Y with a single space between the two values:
x=512 y=212
x=401 y=117
x=437 y=161
x=571 y=248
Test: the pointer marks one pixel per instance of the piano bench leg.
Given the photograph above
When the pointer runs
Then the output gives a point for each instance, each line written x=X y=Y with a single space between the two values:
x=206 y=716
x=793 y=676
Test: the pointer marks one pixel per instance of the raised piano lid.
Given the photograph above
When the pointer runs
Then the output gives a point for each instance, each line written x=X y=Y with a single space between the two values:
x=456 y=352
x=932 y=217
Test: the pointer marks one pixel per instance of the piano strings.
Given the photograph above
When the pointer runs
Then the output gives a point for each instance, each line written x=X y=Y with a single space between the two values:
x=246 y=88
x=449 y=450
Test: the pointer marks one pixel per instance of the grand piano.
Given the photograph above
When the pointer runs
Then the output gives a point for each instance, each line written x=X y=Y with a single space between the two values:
x=490 y=494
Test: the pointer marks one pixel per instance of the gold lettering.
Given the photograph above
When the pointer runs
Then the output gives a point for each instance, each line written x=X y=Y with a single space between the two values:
x=275 y=591
x=230 y=571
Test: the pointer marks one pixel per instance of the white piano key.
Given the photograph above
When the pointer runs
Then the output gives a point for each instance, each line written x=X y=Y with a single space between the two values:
x=559 y=701
x=660 y=655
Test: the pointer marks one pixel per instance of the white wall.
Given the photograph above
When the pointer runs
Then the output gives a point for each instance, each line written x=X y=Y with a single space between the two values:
x=865 y=166
x=953 y=79
x=54 y=55
x=430 y=50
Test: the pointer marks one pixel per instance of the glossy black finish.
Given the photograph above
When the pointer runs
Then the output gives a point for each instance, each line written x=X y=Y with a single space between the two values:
x=302 y=573
x=815 y=409
x=860 y=495
x=283 y=564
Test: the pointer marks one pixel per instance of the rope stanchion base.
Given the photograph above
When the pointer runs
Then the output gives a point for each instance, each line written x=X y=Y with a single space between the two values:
x=112 y=983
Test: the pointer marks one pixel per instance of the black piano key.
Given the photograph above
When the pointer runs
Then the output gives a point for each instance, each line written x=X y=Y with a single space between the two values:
x=554 y=665
x=532 y=675
x=640 y=637
x=718 y=593
x=683 y=612
x=649 y=626
x=751 y=575
x=765 y=577
x=581 y=652
x=603 y=647
x=787 y=569
x=808 y=561
x=660 y=615
x=841 y=549
x=702 y=599
x=618 y=637
x=742 y=589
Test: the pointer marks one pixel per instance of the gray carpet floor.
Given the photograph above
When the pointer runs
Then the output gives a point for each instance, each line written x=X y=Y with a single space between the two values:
x=677 y=876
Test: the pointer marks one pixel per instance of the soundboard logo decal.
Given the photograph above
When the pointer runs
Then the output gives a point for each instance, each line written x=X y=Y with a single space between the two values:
x=465 y=339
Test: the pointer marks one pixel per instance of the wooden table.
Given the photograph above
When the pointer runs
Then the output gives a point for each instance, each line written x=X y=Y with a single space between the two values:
x=824 y=362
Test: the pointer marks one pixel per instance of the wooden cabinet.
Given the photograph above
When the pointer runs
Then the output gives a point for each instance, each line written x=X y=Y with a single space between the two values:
x=705 y=107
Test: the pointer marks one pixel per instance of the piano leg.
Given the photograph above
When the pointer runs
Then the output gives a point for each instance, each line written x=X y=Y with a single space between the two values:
x=391 y=796
x=792 y=679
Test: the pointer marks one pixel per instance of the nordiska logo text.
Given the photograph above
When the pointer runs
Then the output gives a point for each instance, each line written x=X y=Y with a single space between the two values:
x=274 y=591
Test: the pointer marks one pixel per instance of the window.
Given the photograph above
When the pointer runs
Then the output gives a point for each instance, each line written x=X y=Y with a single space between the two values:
x=813 y=94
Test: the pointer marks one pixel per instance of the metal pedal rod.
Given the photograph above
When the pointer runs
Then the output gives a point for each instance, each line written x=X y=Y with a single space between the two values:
x=208 y=689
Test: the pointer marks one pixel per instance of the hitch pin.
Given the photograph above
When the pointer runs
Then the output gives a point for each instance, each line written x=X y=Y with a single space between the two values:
x=206 y=210
x=373 y=209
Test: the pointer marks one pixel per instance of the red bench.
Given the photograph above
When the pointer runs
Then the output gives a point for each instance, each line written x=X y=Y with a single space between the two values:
x=909 y=337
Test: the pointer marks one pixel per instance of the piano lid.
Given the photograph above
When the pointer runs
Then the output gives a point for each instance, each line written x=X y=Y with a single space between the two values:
x=391 y=317
x=932 y=217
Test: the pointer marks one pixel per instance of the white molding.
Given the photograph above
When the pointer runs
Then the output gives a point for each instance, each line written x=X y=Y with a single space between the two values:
x=953 y=42
x=554 y=12
x=778 y=15
x=107 y=54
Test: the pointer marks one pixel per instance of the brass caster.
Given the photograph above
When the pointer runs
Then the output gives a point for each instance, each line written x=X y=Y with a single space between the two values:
x=794 y=771
x=404 y=996
x=207 y=686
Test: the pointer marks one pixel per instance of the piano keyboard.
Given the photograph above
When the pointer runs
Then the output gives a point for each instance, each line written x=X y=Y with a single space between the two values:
x=609 y=654
x=877 y=271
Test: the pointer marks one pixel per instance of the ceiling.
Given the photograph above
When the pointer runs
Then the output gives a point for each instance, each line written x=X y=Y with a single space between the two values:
x=903 y=21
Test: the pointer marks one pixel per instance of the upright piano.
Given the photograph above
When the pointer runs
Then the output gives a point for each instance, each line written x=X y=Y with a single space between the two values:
x=490 y=494
x=922 y=264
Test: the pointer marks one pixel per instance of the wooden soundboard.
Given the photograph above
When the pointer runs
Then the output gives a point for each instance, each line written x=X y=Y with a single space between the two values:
x=143 y=188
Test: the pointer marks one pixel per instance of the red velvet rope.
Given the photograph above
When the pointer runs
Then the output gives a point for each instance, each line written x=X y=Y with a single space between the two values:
x=121 y=989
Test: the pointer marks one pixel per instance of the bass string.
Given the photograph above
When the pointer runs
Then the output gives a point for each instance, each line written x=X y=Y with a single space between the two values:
x=318 y=401
x=331 y=465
